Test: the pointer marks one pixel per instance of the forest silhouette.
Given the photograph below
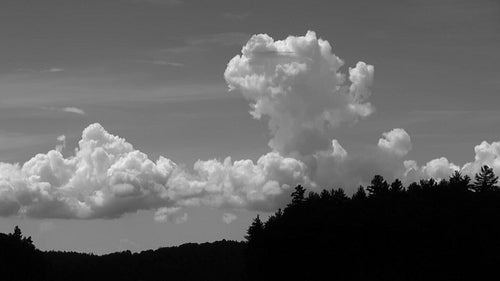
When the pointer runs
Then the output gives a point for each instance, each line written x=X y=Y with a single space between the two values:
x=428 y=230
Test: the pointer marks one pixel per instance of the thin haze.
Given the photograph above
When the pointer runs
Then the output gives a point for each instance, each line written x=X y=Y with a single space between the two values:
x=192 y=116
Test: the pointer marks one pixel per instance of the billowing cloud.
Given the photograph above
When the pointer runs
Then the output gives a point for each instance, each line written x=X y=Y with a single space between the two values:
x=396 y=141
x=297 y=85
x=107 y=177
x=485 y=154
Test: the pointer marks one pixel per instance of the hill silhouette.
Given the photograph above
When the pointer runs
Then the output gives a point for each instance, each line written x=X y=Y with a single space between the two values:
x=429 y=230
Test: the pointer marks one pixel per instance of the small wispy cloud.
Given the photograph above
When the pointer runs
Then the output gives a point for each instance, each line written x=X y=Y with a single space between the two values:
x=219 y=39
x=55 y=69
x=40 y=70
x=172 y=214
x=75 y=110
x=228 y=218
x=161 y=62
x=181 y=219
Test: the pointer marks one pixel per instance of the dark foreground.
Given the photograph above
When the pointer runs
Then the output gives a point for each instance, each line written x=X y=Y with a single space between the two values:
x=426 y=231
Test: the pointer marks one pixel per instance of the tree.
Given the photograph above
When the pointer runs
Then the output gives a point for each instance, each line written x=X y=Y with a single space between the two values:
x=325 y=195
x=360 y=194
x=339 y=196
x=396 y=187
x=255 y=229
x=428 y=185
x=485 y=180
x=298 y=195
x=17 y=234
x=459 y=182
x=378 y=186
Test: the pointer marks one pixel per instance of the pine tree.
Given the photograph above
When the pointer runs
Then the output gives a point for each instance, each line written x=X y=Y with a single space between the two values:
x=396 y=187
x=459 y=182
x=339 y=195
x=255 y=229
x=17 y=234
x=485 y=180
x=360 y=194
x=298 y=195
x=378 y=186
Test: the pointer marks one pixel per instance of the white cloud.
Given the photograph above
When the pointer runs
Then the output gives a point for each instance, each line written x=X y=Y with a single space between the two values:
x=107 y=177
x=396 y=141
x=74 y=110
x=228 y=218
x=297 y=84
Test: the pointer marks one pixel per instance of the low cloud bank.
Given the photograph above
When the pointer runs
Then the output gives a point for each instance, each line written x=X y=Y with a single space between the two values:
x=107 y=177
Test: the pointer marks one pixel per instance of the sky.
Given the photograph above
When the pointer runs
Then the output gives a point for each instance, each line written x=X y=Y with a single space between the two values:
x=157 y=94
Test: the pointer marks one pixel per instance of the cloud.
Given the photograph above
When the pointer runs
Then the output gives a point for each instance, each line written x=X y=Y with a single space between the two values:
x=55 y=69
x=62 y=145
x=181 y=219
x=228 y=218
x=74 y=110
x=296 y=84
x=221 y=39
x=161 y=62
x=396 y=141
x=107 y=177
x=172 y=214
x=201 y=44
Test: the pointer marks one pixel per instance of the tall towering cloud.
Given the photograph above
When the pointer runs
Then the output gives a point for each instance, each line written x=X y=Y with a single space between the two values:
x=297 y=85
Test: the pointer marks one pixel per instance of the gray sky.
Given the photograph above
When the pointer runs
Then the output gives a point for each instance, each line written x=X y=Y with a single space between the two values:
x=152 y=72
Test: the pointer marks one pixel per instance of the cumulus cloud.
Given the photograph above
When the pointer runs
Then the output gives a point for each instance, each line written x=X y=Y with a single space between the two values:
x=396 y=141
x=107 y=177
x=485 y=154
x=297 y=85
x=228 y=218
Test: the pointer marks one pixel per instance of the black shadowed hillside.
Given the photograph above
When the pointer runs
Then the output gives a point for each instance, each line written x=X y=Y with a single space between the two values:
x=446 y=230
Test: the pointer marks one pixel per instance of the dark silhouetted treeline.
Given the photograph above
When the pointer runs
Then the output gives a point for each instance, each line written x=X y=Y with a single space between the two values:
x=221 y=260
x=428 y=230
x=446 y=230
